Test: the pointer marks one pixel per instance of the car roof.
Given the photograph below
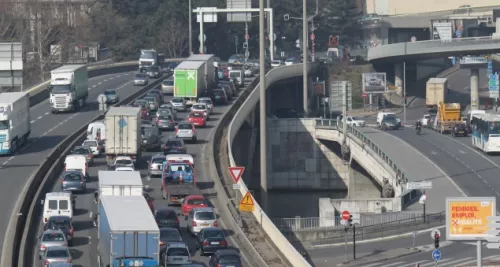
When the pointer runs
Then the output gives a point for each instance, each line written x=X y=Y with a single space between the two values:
x=166 y=209
x=52 y=231
x=177 y=245
x=173 y=138
x=123 y=157
x=73 y=171
x=194 y=197
x=204 y=209
x=227 y=251
x=158 y=156
x=212 y=229
x=80 y=147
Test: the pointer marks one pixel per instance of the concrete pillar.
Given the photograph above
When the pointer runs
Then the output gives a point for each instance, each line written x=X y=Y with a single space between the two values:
x=496 y=35
x=398 y=77
x=474 y=89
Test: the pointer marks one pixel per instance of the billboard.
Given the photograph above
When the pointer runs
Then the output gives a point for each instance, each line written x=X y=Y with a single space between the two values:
x=442 y=30
x=374 y=82
x=11 y=67
x=239 y=16
x=467 y=217
x=336 y=95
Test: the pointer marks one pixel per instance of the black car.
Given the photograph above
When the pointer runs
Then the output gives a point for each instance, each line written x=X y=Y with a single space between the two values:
x=62 y=223
x=459 y=130
x=174 y=146
x=224 y=258
x=389 y=122
x=219 y=97
x=210 y=240
x=150 y=137
x=167 y=217
x=169 y=234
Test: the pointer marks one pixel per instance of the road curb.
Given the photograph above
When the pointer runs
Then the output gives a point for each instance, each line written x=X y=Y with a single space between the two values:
x=401 y=252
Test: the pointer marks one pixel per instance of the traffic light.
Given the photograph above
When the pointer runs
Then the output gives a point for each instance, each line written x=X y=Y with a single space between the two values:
x=436 y=241
x=350 y=221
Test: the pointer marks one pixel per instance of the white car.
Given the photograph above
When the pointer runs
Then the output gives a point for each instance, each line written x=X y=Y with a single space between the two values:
x=178 y=103
x=425 y=119
x=123 y=161
x=208 y=102
x=276 y=63
x=93 y=145
x=124 y=169
x=167 y=86
x=186 y=131
x=201 y=107
x=355 y=121
x=177 y=253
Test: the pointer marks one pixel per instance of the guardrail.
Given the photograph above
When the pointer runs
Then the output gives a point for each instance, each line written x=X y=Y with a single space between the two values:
x=40 y=92
x=408 y=196
x=280 y=241
x=26 y=225
x=486 y=43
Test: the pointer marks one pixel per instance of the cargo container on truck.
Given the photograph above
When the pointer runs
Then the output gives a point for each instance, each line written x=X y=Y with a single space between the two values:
x=69 y=88
x=113 y=183
x=128 y=233
x=436 y=91
x=189 y=80
x=123 y=136
x=448 y=115
x=15 y=126
x=210 y=69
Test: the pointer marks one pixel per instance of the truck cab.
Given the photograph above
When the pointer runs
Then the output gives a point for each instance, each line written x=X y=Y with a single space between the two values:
x=148 y=58
x=15 y=126
x=68 y=88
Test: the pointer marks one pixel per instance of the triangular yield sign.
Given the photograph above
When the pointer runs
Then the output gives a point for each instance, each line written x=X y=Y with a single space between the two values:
x=247 y=199
x=236 y=173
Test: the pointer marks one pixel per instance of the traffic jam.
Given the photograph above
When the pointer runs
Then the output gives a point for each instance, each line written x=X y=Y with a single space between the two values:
x=132 y=193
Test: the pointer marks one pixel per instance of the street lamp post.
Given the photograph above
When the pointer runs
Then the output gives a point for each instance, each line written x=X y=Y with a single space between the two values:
x=190 y=29
x=304 y=57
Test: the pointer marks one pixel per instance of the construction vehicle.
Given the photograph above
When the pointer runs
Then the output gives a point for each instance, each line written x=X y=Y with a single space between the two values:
x=448 y=115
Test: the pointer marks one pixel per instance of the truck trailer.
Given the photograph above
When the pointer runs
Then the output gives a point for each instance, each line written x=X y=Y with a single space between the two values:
x=69 y=88
x=15 y=126
x=210 y=69
x=113 y=183
x=189 y=80
x=123 y=137
x=448 y=115
x=128 y=234
x=436 y=92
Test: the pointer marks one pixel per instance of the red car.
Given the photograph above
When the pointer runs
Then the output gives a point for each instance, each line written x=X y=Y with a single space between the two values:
x=191 y=202
x=198 y=119
x=144 y=107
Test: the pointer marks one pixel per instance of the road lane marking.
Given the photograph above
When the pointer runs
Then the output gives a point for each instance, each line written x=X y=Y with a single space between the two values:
x=32 y=121
x=460 y=261
x=39 y=117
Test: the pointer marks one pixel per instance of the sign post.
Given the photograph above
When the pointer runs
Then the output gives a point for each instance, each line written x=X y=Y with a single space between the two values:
x=493 y=237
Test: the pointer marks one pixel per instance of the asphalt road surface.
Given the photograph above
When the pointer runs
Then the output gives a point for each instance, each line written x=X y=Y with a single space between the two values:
x=85 y=242
x=47 y=130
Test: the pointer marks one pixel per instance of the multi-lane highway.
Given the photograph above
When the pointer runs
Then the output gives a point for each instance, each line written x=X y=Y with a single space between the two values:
x=47 y=130
x=85 y=243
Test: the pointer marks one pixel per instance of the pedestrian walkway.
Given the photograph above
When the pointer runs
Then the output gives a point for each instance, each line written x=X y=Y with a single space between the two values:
x=448 y=262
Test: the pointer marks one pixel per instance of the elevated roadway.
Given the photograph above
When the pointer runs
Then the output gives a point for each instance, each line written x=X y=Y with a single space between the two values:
x=47 y=130
x=421 y=50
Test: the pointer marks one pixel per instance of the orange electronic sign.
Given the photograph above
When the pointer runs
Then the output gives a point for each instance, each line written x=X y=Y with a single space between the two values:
x=466 y=217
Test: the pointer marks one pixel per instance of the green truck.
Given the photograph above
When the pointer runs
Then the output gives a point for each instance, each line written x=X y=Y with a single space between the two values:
x=189 y=80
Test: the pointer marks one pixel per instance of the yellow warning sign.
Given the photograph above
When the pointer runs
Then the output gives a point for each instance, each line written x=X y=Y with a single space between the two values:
x=246 y=203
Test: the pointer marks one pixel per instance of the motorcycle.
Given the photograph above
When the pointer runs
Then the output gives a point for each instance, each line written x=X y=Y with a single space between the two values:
x=419 y=130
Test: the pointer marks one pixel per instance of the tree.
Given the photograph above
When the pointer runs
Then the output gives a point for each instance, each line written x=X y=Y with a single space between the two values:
x=173 y=38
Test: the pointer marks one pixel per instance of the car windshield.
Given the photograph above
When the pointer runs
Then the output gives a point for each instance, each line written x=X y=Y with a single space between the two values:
x=185 y=126
x=195 y=115
x=213 y=234
x=218 y=92
x=164 y=118
x=199 y=107
x=168 y=83
x=90 y=143
x=124 y=162
x=174 y=143
x=57 y=253
x=177 y=100
x=196 y=201
x=206 y=101
x=158 y=160
x=180 y=168
x=58 y=223
x=205 y=215
x=169 y=235
x=70 y=177
x=53 y=237
x=166 y=215
x=228 y=259
x=180 y=252
x=80 y=151
x=140 y=76
x=390 y=116
x=139 y=103
x=276 y=62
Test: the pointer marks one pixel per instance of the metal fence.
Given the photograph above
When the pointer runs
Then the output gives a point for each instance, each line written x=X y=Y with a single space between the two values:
x=316 y=223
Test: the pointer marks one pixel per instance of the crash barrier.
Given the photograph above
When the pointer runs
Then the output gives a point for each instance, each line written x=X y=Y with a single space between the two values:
x=22 y=229
x=280 y=241
x=407 y=196
x=224 y=202
x=40 y=92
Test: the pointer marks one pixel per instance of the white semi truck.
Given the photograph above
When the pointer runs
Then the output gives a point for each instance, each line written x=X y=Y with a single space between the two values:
x=149 y=58
x=69 y=88
x=123 y=136
x=15 y=126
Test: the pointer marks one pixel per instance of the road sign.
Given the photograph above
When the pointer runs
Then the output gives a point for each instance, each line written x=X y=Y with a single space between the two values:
x=466 y=217
x=364 y=95
x=312 y=36
x=434 y=232
x=458 y=33
x=246 y=203
x=436 y=255
x=345 y=215
x=236 y=187
x=236 y=172
x=419 y=185
x=247 y=37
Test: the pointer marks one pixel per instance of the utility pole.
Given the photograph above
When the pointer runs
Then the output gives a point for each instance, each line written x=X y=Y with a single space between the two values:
x=190 y=29
x=304 y=57
x=262 y=105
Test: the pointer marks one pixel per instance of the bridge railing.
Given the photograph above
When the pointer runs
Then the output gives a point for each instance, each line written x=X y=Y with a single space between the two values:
x=408 y=196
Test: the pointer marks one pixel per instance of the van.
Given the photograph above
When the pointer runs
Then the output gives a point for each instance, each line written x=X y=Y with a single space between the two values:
x=381 y=115
x=58 y=204
x=77 y=162
x=227 y=89
x=96 y=130
x=239 y=75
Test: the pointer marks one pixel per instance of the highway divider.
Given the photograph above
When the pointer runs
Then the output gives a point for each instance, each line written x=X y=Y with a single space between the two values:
x=22 y=229
x=40 y=92
x=235 y=123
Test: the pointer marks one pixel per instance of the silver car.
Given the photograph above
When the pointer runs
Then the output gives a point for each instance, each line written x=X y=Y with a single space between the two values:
x=186 y=131
x=203 y=217
x=166 y=112
x=93 y=145
x=177 y=253
x=73 y=181
x=167 y=86
x=179 y=103
x=56 y=254
x=207 y=101
x=155 y=165
x=165 y=122
x=141 y=79
x=51 y=238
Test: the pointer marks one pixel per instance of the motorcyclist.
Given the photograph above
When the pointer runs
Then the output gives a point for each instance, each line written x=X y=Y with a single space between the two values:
x=418 y=126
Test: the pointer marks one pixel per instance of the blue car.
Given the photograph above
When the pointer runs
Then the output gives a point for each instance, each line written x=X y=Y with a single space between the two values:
x=177 y=173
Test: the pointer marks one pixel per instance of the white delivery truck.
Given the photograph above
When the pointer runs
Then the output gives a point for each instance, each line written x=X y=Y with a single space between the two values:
x=15 y=126
x=69 y=88
x=123 y=136
x=113 y=183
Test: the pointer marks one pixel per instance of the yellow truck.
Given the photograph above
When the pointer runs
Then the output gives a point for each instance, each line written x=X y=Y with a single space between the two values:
x=448 y=115
x=435 y=93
